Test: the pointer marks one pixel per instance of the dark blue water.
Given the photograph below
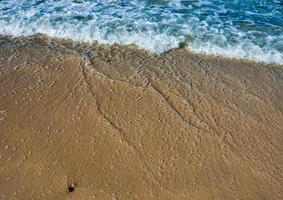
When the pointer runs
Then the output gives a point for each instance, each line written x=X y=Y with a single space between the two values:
x=233 y=28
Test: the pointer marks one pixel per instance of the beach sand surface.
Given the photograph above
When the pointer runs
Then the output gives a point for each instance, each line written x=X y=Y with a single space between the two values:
x=81 y=121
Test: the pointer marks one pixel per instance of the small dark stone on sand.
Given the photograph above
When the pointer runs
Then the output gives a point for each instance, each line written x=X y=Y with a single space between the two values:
x=71 y=188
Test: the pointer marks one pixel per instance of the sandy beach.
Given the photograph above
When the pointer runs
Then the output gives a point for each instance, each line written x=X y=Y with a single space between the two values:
x=80 y=121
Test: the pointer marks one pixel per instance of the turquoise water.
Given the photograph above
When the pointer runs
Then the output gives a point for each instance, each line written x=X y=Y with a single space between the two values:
x=233 y=28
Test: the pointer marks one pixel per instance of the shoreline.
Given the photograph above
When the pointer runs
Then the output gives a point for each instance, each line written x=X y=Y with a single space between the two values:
x=82 y=121
x=94 y=44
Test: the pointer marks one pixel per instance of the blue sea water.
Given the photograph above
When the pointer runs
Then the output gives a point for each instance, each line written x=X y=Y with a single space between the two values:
x=250 y=29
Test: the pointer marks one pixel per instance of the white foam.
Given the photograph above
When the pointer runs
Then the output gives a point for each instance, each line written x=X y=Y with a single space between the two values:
x=91 y=33
x=253 y=53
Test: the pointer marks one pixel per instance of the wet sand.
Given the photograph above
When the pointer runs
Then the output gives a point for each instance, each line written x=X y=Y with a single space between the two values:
x=82 y=121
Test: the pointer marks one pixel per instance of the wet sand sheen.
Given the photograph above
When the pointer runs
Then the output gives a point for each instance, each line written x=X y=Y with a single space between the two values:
x=114 y=122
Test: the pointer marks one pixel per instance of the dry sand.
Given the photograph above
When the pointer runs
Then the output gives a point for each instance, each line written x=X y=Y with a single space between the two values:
x=115 y=122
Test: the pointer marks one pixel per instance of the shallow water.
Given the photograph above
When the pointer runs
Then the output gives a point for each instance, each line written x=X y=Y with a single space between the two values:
x=251 y=29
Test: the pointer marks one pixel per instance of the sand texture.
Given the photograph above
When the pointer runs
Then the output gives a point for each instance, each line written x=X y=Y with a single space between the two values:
x=119 y=123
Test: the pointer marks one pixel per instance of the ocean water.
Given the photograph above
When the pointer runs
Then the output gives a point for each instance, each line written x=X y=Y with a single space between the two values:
x=250 y=29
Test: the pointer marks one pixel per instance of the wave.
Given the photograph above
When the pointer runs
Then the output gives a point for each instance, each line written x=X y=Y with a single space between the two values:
x=156 y=28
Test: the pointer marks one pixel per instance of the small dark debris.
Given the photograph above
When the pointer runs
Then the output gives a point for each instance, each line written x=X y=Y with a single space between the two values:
x=71 y=188
x=182 y=45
